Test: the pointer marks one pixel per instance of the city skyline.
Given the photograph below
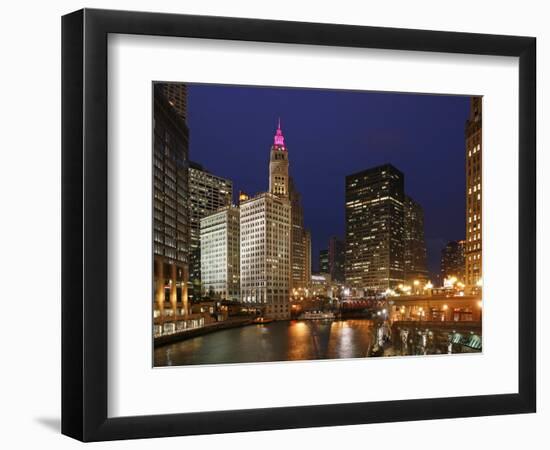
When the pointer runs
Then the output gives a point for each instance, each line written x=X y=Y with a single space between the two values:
x=424 y=139
x=224 y=260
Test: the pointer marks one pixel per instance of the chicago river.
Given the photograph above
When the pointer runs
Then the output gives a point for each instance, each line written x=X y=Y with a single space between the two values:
x=297 y=340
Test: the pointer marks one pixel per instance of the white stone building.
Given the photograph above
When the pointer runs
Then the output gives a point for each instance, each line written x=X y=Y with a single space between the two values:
x=265 y=254
x=220 y=248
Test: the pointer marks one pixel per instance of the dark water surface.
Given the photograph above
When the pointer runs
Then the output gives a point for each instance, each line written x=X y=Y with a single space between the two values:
x=276 y=341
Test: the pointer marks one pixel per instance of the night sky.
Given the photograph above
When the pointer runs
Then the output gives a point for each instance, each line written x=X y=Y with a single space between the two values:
x=331 y=134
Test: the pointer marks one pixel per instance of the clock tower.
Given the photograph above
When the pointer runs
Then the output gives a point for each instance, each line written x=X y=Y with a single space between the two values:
x=278 y=165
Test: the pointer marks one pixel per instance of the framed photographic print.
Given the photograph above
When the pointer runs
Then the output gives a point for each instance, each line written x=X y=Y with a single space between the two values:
x=273 y=224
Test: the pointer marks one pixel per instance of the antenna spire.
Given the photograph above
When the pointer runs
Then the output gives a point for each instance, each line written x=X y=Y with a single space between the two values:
x=279 y=139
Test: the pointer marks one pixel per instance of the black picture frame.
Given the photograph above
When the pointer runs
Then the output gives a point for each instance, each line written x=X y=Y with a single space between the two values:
x=84 y=224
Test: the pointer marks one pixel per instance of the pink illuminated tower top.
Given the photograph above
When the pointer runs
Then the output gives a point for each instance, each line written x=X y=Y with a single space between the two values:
x=279 y=139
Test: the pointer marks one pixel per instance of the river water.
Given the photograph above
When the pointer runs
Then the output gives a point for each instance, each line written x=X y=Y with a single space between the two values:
x=311 y=339
x=276 y=341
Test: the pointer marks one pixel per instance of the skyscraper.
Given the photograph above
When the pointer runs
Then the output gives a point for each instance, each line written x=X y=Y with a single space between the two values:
x=307 y=248
x=473 y=249
x=298 y=245
x=282 y=185
x=207 y=193
x=452 y=261
x=273 y=241
x=278 y=166
x=220 y=250
x=265 y=254
x=170 y=213
x=323 y=261
x=374 y=230
x=415 y=255
x=176 y=95
x=336 y=258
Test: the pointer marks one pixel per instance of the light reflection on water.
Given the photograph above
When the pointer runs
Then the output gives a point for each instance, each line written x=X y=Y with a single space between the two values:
x=277 y=341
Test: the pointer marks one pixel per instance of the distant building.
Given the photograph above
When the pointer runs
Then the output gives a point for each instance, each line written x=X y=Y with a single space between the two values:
x=374 y=242
x=415 y=255
x=265 y=254
x=207 y=193
x=452 y=261
x=336 y=259
x=323 y=261
x=300 y=273
x=321 y=285
x=243 y=196
x=170 y=212
x=307 y=248
x=473 y=247
x=220 y=249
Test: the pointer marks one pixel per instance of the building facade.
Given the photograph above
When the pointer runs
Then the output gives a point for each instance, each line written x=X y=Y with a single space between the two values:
x=374 y=242
x=473 y=245
x=170 y=214
x=300 y=267
x=265 y=258
x=282 y=185
x=336 y=259
x=323 y=261
x=321 y=285
x=452 y=261
x=207 y=193
x=414 y=252
x=307 y=248
x=176 y=95
x=220 y=250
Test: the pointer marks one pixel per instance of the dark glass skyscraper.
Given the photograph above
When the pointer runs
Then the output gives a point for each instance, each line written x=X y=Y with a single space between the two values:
x=374 y=230
x=323 y=261
x=299 y=270
x=336 y=258
x=170 y=212
x=415 y=257
x=176 y=95
x=452 y=261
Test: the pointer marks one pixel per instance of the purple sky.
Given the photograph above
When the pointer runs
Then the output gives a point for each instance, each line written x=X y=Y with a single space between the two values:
x=330 y=134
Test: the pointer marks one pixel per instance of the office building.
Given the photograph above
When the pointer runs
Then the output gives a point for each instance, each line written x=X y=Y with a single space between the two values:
x=220 y=249
x=170 y=214
x=336 y=259
x=452 y=261
x=207 y=193
x=265 y=222
x=473 y=245
x=374 y=242
x=415 y=255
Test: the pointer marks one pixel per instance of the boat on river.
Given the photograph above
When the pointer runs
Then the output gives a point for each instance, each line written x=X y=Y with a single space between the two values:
x=262 y=320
